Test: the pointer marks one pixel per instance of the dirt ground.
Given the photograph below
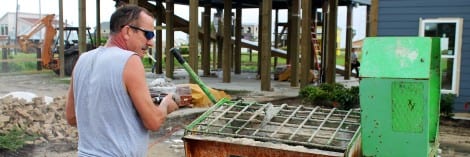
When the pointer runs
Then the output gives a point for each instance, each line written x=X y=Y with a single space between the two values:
x=454 y=135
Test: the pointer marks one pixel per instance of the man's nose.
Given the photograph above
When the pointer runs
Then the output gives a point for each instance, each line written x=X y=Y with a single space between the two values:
x=150 y=42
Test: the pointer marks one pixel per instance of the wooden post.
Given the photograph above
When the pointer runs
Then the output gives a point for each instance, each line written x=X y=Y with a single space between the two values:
x=5 y=58
x=227 y=59
x=220 y=42
x=324 y=43
x=289 y=30
x=206 y=42
x=266 y=46
x=260 y=36
x=276 y=35
x=39 y=57
x=158 y=40
x=193 y=36
x=347 y=56
x=82 y=26
x=238 y=37
x=61 y=39
x=294 y=42
x=98 y=24
x=331 y=48
x=372 y=12
x=306 y=45
x=169 y=38
x=214 y=54
x=250 y=51
x=150 y=51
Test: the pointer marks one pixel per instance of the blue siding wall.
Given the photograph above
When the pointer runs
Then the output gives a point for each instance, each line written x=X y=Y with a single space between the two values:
x=401 y=18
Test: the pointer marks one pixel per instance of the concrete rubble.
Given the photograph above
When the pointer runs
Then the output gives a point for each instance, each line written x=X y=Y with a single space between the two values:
x=37 y=118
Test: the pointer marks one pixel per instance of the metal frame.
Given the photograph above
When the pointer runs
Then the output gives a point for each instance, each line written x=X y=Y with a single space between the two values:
x=312 y=127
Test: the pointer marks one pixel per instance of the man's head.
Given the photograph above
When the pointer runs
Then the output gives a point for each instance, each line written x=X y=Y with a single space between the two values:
x=132 y=28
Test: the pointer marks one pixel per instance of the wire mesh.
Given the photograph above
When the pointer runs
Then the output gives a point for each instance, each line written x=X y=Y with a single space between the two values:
x=312 y=127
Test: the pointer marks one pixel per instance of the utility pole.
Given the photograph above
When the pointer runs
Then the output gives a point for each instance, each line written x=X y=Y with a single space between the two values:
x=16 y=23
x=40 y=16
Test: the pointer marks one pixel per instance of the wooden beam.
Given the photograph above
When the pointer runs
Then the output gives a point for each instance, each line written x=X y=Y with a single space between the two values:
x=306 y=43
x=82 y=26
x=206 y=42
x=331 y=45
x=220 y=41
x=260 y=36
x=61 y=39
x=193 y=36
x=347 y=56
x=227 y=54
x=266 y=46
x=98 y=24
x=135 y=2
x=238 y=36
x=5 y=67
x=159 y=39
x=293 y=37
x=214 y=54
x=276 y=35
x=181 y=28
x=324 y=37
x=373 y=13
x=169 y=38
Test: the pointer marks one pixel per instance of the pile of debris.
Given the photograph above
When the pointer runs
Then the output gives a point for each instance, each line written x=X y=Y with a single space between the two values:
x=37 y=118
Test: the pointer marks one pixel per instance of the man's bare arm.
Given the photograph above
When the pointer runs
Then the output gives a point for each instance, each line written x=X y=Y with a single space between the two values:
x=134 y=79
x=70 y=106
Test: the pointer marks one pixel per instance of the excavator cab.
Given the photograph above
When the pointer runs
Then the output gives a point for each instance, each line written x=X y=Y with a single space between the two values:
x=71 y=48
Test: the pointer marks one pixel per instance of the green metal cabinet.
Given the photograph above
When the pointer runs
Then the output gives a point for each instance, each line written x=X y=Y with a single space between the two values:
x=399 y=96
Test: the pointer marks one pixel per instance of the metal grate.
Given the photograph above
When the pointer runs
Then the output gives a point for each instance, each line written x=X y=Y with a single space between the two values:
x=312 y=127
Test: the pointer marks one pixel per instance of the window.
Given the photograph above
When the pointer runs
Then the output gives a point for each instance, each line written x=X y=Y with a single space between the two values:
x=3 y=29
x=450 y=32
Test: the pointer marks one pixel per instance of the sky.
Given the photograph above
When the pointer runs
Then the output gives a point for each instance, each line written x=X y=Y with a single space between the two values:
x=249 y=16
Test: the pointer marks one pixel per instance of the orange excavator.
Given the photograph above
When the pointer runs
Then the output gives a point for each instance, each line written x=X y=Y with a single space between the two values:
x=49 y=49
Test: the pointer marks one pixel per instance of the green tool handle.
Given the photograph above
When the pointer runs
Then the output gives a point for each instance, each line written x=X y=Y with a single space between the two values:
x=192 y=74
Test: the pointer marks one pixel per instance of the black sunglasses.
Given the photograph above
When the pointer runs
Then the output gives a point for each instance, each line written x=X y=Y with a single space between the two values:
x=148 y=34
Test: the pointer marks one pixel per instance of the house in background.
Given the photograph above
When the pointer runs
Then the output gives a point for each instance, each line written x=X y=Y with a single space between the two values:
x=25 y=22
x=104 y=29
x=250 y=31
x=449 y=20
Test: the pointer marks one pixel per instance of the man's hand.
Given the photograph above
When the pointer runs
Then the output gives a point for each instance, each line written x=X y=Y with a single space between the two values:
x=170 y=103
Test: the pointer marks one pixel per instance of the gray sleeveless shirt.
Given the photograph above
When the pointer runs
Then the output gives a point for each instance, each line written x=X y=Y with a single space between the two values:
x=107 y=122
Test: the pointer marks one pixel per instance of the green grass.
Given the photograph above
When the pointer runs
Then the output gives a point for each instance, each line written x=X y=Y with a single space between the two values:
x=22 y=62
x=15 y=139
x=246 y=63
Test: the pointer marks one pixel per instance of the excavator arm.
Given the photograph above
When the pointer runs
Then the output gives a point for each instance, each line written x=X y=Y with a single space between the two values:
x=46 y=52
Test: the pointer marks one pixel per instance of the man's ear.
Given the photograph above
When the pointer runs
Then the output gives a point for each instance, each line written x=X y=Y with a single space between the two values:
x=125 y=32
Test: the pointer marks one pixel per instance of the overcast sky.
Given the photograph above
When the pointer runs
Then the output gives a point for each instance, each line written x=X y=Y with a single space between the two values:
x=250 y=16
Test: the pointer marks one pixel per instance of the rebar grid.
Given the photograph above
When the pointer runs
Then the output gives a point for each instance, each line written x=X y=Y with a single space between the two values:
x=312 y=127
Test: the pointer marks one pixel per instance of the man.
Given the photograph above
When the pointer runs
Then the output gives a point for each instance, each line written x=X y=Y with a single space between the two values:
x=108 y=99
x=355 y=64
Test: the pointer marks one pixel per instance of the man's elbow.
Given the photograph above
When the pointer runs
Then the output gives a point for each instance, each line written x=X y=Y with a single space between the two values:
x=153 y=127
x=71 y=120
x=155 y=124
